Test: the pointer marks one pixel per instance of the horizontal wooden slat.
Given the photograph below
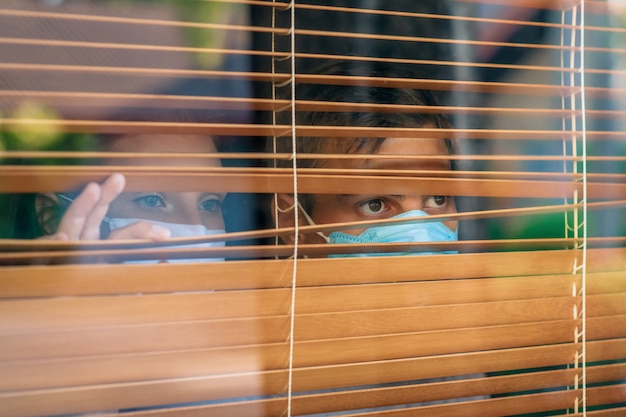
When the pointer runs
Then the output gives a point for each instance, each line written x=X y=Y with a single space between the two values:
x=133 y=100
x=41 y=374
x=157 y=158
x=56 y=373
x=357 y=374
x=57 y=280
x=599 y=260
x=58 y=179
x=518 y=66
x=156 y=164
x=364 y=349
x=516 y=3
x=188 y=390
x=116 y=46
x=92 y=17
x=25 y=315
x=613 y=394
x=161 y=163
x=68 y=253
x=413 y=319
x=430 y=391
x=67 y=44
x=364 y=297
x=244 y=129
x=138 y=367
x=401 y=269
x=305 y=379
x=490 y=408
x=92 y=100
x=272 y=408
x=606 y=304
x=508 y=88
x=47 y=251
x=133 y=395
x=607 y=283
x=102 y=279
x=592 y=6
x=614 y=412
x=340 y=35
x=606 y=350
x=606 y=327
x=598 y=374
x=90 y=340
x=20 y=315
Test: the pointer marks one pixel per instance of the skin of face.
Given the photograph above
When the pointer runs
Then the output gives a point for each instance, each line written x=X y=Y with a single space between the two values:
x=183 y=207
x=338 y=208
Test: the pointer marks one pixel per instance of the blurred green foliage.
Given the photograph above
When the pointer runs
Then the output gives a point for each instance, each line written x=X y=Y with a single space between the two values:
x=17 y=210
x=198 y=11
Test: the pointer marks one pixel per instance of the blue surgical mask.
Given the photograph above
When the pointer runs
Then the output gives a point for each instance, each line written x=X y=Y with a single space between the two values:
x=397 y=233
x=177 y=230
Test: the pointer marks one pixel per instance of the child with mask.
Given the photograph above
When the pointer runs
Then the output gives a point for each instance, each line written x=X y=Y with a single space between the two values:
x=322 y=209
x=105 y=211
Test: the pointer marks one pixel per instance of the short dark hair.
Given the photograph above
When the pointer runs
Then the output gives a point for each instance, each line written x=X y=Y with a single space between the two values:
x=361 y=93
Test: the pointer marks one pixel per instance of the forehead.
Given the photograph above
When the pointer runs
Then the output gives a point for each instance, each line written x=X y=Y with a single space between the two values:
x=142 y=144
x=403 y=147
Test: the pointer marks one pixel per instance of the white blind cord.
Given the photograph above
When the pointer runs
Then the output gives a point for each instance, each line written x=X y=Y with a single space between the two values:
x=295 y=212
x=584 y=172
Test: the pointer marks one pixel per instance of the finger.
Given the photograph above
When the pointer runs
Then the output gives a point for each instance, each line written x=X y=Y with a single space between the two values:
x=112 y=188
x=109 y=191
x=56 y=236
x=141 y=230
x=73 y=221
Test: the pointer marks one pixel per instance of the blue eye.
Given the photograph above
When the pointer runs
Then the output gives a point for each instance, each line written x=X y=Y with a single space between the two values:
x=151 y=201
x=212 y=205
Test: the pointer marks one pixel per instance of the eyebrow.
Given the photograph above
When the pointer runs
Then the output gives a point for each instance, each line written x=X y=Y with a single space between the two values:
x=368 y=196
x=409 y=164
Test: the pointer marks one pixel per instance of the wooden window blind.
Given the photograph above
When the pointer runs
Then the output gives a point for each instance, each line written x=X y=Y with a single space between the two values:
x=527 y=319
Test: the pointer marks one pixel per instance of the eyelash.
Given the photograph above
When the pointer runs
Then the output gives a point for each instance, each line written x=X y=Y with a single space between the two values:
x=385 y=206
x=362 y=205
x=216 y=202
x=142 y=200
x=433 y=197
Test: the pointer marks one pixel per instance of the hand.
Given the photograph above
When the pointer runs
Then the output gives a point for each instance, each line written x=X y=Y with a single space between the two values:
x=85 y=214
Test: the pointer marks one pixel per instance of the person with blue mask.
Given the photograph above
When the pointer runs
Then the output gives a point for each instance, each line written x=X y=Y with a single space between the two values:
x=404 y=216
x=106 y=211
x=414 y=206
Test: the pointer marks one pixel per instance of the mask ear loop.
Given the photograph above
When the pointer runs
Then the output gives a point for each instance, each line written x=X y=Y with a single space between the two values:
x=285 y=210
x=312 y=223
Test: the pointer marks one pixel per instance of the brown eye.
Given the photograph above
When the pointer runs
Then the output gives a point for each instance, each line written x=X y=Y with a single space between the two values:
x=436 y=201
x=373 y=206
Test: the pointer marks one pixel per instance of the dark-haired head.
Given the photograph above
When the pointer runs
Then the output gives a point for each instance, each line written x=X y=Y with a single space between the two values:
x=375 y=96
